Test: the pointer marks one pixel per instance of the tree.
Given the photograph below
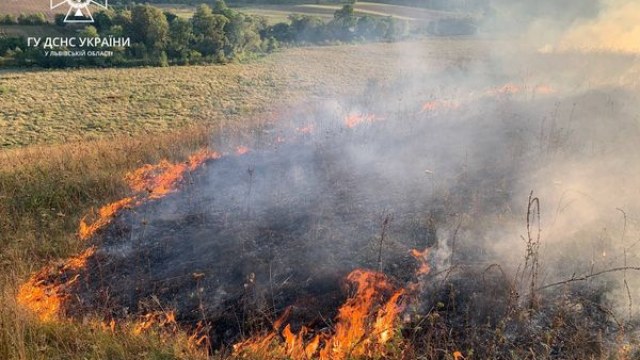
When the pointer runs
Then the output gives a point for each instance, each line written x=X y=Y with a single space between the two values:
x=103 y=20
x=89 y=32
x=242 y=34
x=208 y=29
x=305 y=28
x=180 y=35
x=346 y=13
x=149 y=26
x=344 y=23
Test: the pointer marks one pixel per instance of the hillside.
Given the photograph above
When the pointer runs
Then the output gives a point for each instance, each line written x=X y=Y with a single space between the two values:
x=36 y=105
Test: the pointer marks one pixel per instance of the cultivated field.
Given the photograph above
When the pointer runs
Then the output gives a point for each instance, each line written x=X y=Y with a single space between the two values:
x=279 y=13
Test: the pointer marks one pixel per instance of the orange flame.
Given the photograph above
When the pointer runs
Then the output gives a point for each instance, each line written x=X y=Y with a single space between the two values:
x=149 y=182
x=363 y=325
x=105 y=214
x=421 y=257
x=161 y=179
x=511 y=88
x=159 y=319
x=544 y=89
x=44 y=292
x=44 y=296
x=241 y=150
x=354 y=120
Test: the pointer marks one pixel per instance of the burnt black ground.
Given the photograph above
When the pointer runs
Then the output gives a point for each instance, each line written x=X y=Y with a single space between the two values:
x=248 y=235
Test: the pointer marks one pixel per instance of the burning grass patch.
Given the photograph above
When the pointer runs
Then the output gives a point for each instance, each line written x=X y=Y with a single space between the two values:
x=315 y=247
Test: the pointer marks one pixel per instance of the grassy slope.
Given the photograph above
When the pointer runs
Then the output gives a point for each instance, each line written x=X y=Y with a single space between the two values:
x=58 y=106
x=46 y=189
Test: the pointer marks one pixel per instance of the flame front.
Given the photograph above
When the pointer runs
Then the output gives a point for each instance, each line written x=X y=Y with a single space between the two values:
x=161 y=179
x=43 y=295
x=45 y=292
x=364 y=324
x=354 y=120
x=105 y=214
x=148 y=182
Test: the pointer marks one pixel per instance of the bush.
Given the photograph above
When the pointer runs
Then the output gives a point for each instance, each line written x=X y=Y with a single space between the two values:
x=32 y=19
x=8 y=20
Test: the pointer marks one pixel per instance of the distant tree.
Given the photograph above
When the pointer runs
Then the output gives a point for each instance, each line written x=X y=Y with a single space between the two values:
x=8 y=20
x=163 y=60
x=368 y=28
x=122 y=18
x=103 y=20
x=279 y=31
x=32 y=19
x=149 y=26
x=208 y=30
x=180 y=35
x=344 y=23
x=345 y=13
x=271 y=44
x=221 y=8
x=305 y=28
x=89 y=31
x=115 y=31
x=242 y=34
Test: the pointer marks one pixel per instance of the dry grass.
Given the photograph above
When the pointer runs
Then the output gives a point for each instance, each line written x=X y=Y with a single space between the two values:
x=48 y=107
x=17 y=7
x=33 y=30
x=121 y=119
x=45 y=191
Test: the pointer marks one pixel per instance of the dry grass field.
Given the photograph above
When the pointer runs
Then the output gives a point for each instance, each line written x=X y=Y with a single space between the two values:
x=279 y=13
x=69 y=136
x=17 y=7
x=46 y=107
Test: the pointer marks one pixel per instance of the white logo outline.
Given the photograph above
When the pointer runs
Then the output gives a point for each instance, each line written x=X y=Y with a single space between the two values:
x=79 y=8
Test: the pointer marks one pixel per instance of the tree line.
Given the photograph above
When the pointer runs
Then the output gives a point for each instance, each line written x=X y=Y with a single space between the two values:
x=214 y=34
